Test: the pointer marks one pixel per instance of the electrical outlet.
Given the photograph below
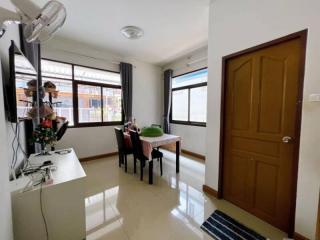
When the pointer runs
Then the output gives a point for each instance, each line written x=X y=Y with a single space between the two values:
x=315 y=97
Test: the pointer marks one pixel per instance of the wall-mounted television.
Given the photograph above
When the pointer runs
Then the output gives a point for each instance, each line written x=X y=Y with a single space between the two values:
x=17 y=93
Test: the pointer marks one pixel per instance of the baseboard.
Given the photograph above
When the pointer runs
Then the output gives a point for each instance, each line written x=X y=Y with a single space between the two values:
x=98 y=156
x=210 y=191
x=172 y=148
x=297 y=236
x=193 y=154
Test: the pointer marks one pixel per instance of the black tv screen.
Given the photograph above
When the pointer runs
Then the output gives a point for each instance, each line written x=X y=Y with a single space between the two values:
x=16 y=92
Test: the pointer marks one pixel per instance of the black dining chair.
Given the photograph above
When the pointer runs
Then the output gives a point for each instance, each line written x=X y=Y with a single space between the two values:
x=123 y=149
x=138 y=154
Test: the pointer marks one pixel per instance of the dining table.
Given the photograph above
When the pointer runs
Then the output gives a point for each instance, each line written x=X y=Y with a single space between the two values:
x=149 y=143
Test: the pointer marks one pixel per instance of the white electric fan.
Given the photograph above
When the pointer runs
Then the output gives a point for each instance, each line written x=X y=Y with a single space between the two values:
x=40 y=24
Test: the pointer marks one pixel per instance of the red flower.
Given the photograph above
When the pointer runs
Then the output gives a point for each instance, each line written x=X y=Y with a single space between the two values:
x=46 y=123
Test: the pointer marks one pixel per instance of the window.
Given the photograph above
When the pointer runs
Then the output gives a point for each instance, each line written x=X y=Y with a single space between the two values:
x=87 y=96
x=189 y=98
x=198 y=104
x=89 y=103
x=180 y=105
x=60 y=74
x=98 y=96
x=112 y=111
x=56 y=69
x=63 y=104
x=96 y=76
x=192 y=78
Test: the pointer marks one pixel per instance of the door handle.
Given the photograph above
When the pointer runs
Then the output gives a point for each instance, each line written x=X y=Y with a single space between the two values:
x=287 y=139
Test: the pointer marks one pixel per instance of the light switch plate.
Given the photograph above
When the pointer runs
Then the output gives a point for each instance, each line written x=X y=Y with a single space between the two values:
x=315 y=97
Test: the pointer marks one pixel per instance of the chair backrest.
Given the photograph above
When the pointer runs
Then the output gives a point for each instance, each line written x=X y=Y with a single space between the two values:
x=120 y=139
x=156 y=125
x=136 y=145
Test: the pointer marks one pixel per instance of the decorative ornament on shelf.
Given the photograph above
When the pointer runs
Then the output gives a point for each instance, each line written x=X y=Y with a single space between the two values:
x=51 y=88
x=131 y=125
x=44 y=135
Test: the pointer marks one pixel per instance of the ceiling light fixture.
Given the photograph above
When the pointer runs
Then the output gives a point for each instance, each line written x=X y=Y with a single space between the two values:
x=132 y=32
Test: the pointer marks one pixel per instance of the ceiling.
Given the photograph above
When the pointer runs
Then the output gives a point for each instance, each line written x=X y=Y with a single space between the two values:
x=172 y=28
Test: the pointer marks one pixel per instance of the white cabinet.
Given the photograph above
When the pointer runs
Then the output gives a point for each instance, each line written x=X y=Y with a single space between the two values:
x=63 y=202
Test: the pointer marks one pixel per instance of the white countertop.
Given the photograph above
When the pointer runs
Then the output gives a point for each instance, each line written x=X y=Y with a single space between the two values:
x=68 y=168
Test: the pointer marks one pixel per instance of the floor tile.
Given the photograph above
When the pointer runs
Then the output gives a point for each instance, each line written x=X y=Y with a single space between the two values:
x=120 y=206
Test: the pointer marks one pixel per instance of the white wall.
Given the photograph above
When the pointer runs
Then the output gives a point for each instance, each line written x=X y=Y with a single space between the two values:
x=193 y=137
x=89 y=141
x=237 y=25
x=5 y=199
x=147 y=97
x=198 y=58
x=147 y=92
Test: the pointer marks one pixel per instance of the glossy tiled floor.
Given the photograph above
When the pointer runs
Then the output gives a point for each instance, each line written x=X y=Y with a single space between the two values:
x=120 y=206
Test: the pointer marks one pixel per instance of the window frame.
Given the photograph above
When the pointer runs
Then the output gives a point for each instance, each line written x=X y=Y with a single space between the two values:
x=188 y=87
x=75 y=97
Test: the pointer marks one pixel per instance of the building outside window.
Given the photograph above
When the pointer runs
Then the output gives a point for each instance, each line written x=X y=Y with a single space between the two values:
x=87 y=96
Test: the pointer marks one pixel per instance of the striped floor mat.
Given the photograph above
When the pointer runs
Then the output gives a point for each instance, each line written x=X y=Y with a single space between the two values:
x=222 y=227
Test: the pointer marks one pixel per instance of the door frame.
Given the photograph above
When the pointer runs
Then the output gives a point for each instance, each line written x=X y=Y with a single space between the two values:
x=303 y=36
x=318 y=221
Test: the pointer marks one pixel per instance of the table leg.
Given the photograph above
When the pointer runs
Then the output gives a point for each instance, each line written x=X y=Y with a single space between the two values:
x=125 y=163
x=151 y=172
x=141 y=169
x=177 y=156
x=120 y=159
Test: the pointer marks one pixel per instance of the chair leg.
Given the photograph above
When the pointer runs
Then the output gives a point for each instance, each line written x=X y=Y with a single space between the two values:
x=141 y=170
x=161 y=166
x=135 y=164
x=151 y=172
x=125 y=163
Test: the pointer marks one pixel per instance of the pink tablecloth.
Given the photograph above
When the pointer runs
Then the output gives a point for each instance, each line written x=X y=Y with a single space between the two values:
x=149 y=143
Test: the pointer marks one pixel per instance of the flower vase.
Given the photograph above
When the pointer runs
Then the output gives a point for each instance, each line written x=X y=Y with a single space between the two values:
x=44 y=150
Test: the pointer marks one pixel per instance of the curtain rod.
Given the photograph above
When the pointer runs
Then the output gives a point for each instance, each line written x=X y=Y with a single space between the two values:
x=189 y=64
x=196 y=61
x=96 y=58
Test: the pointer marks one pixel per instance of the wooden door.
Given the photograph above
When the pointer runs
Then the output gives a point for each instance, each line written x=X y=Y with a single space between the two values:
x=318 y=222
x=260 y=140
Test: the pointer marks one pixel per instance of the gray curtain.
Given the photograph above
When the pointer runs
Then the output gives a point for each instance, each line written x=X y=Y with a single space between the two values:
x=167 y=100
x=126 y=81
